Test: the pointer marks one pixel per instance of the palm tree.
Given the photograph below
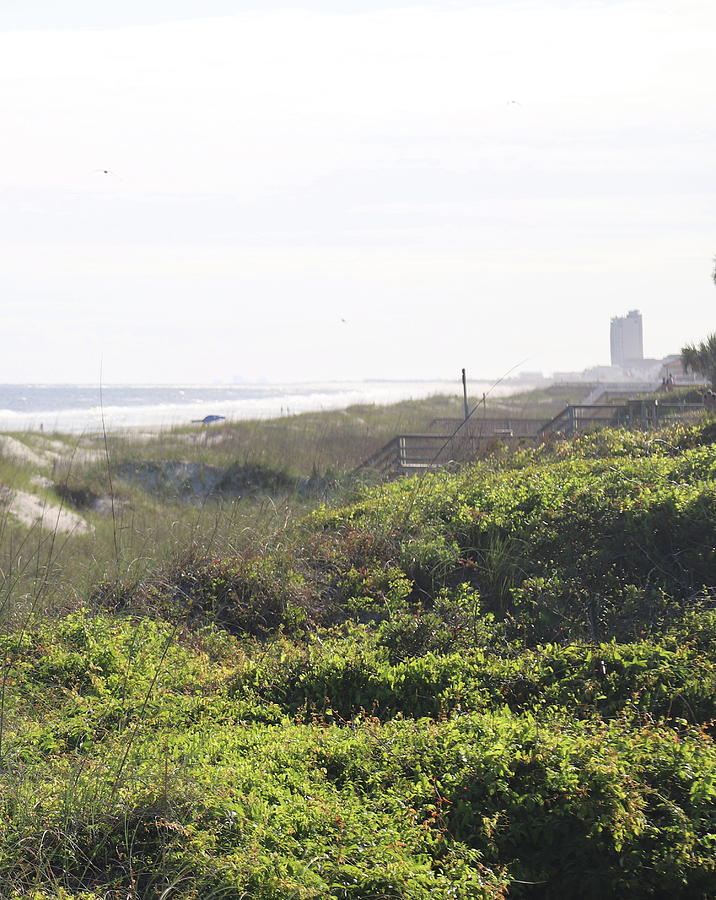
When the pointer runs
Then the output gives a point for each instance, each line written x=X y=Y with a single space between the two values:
x=701 y=358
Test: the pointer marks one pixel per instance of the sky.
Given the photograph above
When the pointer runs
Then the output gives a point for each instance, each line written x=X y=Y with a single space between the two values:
x=199 y=192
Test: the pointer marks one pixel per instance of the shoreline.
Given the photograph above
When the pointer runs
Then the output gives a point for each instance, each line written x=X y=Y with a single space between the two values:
x=178 y=405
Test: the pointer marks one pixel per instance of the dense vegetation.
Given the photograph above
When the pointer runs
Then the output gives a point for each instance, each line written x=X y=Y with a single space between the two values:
x=493 y=682
x=701 y=358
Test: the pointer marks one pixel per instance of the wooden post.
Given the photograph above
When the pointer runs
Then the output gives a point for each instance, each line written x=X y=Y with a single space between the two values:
x=464 y=396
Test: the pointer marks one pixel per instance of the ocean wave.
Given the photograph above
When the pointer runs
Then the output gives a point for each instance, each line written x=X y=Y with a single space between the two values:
x=171 y=405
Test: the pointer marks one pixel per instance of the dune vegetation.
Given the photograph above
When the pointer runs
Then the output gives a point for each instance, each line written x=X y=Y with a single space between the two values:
x=488 y=682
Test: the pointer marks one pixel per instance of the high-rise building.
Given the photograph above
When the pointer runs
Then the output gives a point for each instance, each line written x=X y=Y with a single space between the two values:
x=626 y=339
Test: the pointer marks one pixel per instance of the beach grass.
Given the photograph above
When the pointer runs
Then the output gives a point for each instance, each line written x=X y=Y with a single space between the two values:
x=147 y=497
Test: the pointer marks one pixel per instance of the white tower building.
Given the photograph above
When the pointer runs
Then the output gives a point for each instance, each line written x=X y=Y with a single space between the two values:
x=626 y=339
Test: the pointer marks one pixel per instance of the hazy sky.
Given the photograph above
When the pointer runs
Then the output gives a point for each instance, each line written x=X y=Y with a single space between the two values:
x=315 y=190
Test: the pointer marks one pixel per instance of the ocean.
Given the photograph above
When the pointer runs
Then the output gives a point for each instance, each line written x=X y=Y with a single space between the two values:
x=85 y=408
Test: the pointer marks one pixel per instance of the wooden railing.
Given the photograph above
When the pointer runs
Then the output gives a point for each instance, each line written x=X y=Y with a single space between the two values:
x=410 y=452
x=490 y=426
x=581 y=418
x=635 y=413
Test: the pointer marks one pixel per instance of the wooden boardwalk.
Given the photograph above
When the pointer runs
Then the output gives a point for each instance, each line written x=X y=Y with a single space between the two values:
x=459 y=440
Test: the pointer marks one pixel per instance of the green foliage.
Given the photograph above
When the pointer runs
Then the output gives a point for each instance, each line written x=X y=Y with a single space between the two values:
x=581 y=546
x=488 y=683
x=701 y=358
x=153 y=774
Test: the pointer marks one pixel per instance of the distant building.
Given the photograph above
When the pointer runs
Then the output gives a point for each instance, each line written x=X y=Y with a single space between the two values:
x=673 y=366
x=530 y=377
x=626 y=339
x=603 y=374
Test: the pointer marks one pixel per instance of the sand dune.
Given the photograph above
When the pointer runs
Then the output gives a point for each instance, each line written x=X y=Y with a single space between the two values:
x=48 y=452
x=10 y=446
x=35 y=512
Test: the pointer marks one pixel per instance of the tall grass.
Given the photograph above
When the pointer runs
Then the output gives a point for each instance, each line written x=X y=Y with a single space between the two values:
x=274 y=471
x=271 y=472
